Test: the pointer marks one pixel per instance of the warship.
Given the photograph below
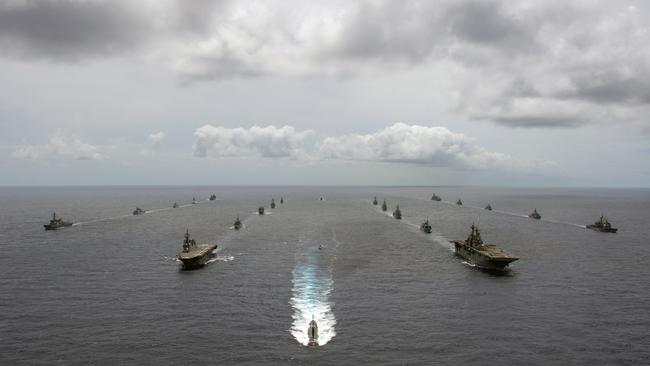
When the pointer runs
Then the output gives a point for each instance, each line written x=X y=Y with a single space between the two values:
x=194 y=201
x=435 y=197
x=312 y=331
x=459 y=202
x=535 y=215
x=488 y=207
x=260 y=210
x=486 y=256
x=281 y=200
x=213 y=197
x=602 y=225
x=56 y=223
x=397 y=214
x=237 y=225
x=139 y=211
x=383 y=206
x=272 y=203
x=426 y=227
x=175 y=205
x=374 y=201
x=195 y=255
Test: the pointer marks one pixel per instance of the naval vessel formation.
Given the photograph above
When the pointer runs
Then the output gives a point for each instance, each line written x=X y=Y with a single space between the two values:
x=472 y=249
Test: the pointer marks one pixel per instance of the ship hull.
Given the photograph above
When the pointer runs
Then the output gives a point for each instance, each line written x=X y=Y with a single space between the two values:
x=602 y=230
x=197 y=261
x=56 y=227
x=482 y=261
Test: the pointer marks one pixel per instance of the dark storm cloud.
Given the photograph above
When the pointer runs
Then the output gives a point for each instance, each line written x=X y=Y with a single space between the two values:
x=69 y=30
x=533 y=121
x=611 y=86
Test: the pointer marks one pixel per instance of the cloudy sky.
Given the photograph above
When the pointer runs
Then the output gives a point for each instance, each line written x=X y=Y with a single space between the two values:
x=511 y=93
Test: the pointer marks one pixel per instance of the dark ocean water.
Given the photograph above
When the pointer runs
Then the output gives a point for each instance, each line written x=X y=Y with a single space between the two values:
x=109 y=291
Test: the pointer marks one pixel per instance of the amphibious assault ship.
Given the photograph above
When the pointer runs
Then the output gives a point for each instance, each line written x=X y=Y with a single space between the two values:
x=426 y=227
x=397 y=214
x=56 y=223
x=435 y=197
x=602 y=225
x=535 y=215
x=486 y=256
x=195 y=255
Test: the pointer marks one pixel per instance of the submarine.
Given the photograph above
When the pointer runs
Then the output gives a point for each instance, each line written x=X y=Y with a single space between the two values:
x=312 y=331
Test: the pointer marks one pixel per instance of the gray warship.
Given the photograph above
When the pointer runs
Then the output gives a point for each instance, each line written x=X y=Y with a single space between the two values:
x=281 y=200
x=426 y=227
x=195 y=255
x=175 y=205
x=312 y=332
x=194 y=201
x=374 y=201
x=602 y=225
x=237 y=225
x=397 y=214
x=486 y=256
x=384 y=207
x=435 y=197
x=535 y=215
x=272 y=203
x=459 y=202
x=260 y=210
x=488 y=207
x=56 y=223
x=213 y=197
x=139 y=211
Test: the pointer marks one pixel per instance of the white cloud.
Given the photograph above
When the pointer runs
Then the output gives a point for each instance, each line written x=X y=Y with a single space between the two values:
x=266 y=142
x=156 y=139
x=59 y=146
x=431 y=146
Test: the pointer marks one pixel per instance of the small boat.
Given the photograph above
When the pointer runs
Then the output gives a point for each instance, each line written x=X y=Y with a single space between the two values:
x=312 y=332
x=194 y=201
x=175 y=205
x=374 y=201
x=459 y=202
x=281 y=200
x=488 y=207
x=535 y=215
x=426 y=227
x=139 y=211
x=213 y=197
x=237 y=225
x=603 y=225
x=195 y=255
x=435 y=197
x=56 y=223
x=397 y=214
x=384 y=207
x=260 y=210
x=272 y=203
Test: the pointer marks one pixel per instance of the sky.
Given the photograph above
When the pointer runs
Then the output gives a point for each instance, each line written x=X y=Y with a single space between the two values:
x=486 y=93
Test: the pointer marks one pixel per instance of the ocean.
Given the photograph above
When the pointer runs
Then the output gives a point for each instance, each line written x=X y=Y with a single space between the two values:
x=109 y=290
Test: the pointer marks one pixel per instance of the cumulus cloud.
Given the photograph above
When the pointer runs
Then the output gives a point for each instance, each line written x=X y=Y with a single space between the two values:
x=156 y=139
x=530 y=63
x=59 y=146
x=422 y=145
x=265 y=142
